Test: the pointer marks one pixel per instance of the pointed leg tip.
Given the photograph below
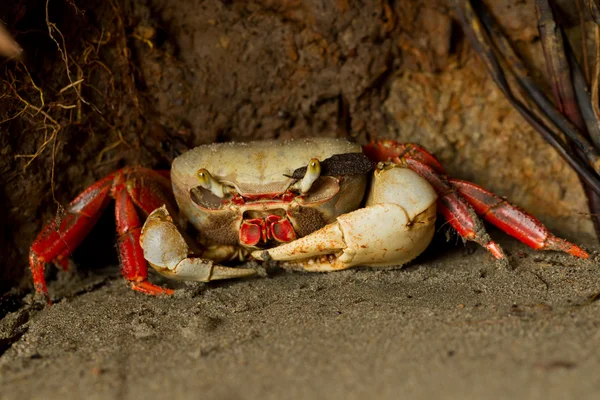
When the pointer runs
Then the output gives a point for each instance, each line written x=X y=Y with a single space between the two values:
x=151 y=289
x=40 y=287
x=42 y=295
x=578 y=252
x=496 y=250
x=558 y=244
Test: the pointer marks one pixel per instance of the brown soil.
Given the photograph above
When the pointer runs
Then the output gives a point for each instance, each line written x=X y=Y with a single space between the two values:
x=454 y=325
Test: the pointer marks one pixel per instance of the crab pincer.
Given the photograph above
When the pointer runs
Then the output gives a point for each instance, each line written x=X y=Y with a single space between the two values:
x=167 y=251
x=395 y=226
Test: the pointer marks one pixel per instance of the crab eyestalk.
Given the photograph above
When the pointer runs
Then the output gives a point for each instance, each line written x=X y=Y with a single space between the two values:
x=209 y=183
x=313 y=171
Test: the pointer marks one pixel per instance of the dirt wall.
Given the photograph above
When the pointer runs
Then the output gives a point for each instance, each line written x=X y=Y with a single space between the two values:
x=104 y=84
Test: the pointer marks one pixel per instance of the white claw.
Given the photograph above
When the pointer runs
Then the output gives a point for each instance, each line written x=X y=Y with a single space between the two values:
x=395 y=227
x=166 y=251
x=161 y=241
x=203 y=270
x=324 y=241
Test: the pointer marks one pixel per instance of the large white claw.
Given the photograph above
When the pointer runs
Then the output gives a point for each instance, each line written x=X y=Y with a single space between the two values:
x=166 y=251
x=396 y=226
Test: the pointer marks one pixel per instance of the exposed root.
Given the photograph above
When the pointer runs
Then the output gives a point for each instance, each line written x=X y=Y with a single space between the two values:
x=90 y=75
x=110 y=147
x=50 y=125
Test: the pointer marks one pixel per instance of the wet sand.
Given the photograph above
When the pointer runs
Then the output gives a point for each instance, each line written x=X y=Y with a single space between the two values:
x=453 y=325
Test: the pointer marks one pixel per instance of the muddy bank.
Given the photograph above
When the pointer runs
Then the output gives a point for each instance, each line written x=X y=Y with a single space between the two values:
x=452 y=323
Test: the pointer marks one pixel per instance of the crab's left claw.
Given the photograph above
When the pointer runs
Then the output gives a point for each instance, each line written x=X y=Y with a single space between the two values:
x=396 y=226
x=167 y=251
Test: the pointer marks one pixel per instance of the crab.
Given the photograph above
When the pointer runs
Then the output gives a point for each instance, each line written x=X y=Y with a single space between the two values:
x=317 y=204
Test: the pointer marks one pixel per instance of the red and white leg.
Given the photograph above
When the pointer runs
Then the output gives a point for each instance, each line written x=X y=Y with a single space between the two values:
x=459 y=201
x=133 y=264
x=145 y=188
x=513 y=220
x=61 y=236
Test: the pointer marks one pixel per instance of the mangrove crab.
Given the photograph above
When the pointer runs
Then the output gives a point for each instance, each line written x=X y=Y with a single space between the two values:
x=316 y=204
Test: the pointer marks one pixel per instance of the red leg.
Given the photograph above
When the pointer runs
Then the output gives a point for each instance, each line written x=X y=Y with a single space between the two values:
x=150 y=189
x=389 y=150
x=459 y=208
x=62 y=235
x=456 y=210
x=133 y=264
x=514 y=221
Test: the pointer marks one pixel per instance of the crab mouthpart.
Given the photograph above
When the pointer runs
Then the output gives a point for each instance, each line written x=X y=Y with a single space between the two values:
x=273 y=227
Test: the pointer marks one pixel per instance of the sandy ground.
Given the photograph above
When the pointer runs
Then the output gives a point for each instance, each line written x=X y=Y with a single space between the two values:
x=453 y=325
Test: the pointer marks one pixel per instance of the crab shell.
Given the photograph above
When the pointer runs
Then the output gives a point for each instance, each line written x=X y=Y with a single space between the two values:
x=261 y=172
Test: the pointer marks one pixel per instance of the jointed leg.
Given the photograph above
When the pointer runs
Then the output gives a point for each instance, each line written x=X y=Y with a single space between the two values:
x=389 y=150
x=61 y=236
x=133 y=264
x=514 y=221
x=141 y=187
x=459 y=214
x=149 y=190
x=459 y=201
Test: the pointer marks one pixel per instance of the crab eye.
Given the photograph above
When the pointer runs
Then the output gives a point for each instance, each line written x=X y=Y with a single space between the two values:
x=313 y=171
x=207 y=181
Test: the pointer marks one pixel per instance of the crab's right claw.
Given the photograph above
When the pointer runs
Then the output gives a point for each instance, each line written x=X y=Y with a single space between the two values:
x=166 y=251
x=379 y=235
x=395 y=227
